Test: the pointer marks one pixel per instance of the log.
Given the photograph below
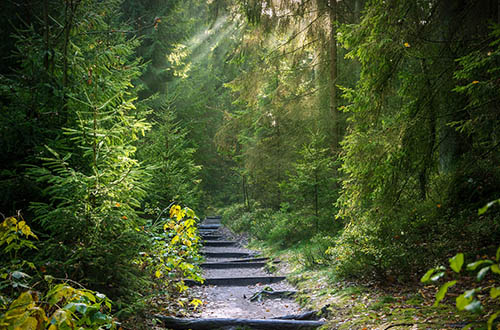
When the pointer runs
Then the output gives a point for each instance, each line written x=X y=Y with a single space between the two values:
x=313 y=315
x=212 y=237
x=214 y=226
x=237 y=281
x=208 y=232
x=272 y=294
x=263 y=324
x=248 y=260
x=230 y=265
x=210 y=222
x=226 y=254
x=219 y=243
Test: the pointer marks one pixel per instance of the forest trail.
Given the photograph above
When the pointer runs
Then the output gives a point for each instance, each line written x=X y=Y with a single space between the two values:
x=238 y=291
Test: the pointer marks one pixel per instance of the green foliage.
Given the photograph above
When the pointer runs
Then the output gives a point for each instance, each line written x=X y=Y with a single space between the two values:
x=60 y=306
x=410 y=178
x=90 y=181
x=310 y=188
x=484 y=299
x=174 y=251
x=63 y=307
x=175 y=176
x=11 y=236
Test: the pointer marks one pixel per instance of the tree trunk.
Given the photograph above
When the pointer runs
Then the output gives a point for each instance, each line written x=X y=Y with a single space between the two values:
x=449 y=148
x=327 y=73
x=332 y=15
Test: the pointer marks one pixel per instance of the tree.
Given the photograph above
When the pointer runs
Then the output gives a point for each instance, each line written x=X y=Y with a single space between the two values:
x=83 y=163
x=403 y=161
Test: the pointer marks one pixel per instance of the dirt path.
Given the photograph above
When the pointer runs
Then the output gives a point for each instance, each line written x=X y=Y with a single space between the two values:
x=238 y=291
x=234 y=301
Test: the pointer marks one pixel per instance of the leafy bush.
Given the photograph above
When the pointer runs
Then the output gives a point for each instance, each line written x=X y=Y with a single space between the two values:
x=174 y=251
x=60 y=306
x=470 y=300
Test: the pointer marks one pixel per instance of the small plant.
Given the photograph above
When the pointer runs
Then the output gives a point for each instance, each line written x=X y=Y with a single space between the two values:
x=60 y=307
x=175 y=244
x=470 y=300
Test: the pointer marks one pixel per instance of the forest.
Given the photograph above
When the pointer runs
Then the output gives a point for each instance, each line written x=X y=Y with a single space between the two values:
x=361 y=137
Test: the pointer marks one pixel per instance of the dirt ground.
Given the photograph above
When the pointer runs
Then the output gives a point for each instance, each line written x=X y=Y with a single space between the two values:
x=234 y=301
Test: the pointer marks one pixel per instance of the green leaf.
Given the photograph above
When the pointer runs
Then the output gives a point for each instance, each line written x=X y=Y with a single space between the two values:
x=457 y=262
x=491 y=319
x=427 y=276
x=442 y=291
x=487 y=206
x=495 y=269
x=482 y=273
x=462 y=301
x=437 y=276
x=498 y=254
x=474 y=265
x=99 y=318
x=495 y=292
x=482 y=210
x=474 y=306
x=470 y=293
x=18 y=275
x=100 y=295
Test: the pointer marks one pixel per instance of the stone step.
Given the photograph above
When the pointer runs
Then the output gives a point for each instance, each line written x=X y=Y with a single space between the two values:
x=231 y=265
x=237 y=281
x=219 y=243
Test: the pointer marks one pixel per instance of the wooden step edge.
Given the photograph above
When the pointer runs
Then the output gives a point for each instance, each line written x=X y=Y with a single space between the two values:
x=237 y=281
x=215 y=226
x=232 y=265
x=211 y=237
x=263 y=324
x=220 y=243
x=244 y=260
x=208 y=254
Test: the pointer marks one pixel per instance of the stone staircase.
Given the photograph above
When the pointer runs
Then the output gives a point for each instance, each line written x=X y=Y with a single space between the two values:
x=238 y=292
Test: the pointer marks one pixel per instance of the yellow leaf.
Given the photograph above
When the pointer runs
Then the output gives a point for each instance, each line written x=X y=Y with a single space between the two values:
x=407 y=45
x=196 y=302
x=158 y=274
x=23 y=302
x=180 y=214
x=29 y=324
x=174 y=210
x=475 y=82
